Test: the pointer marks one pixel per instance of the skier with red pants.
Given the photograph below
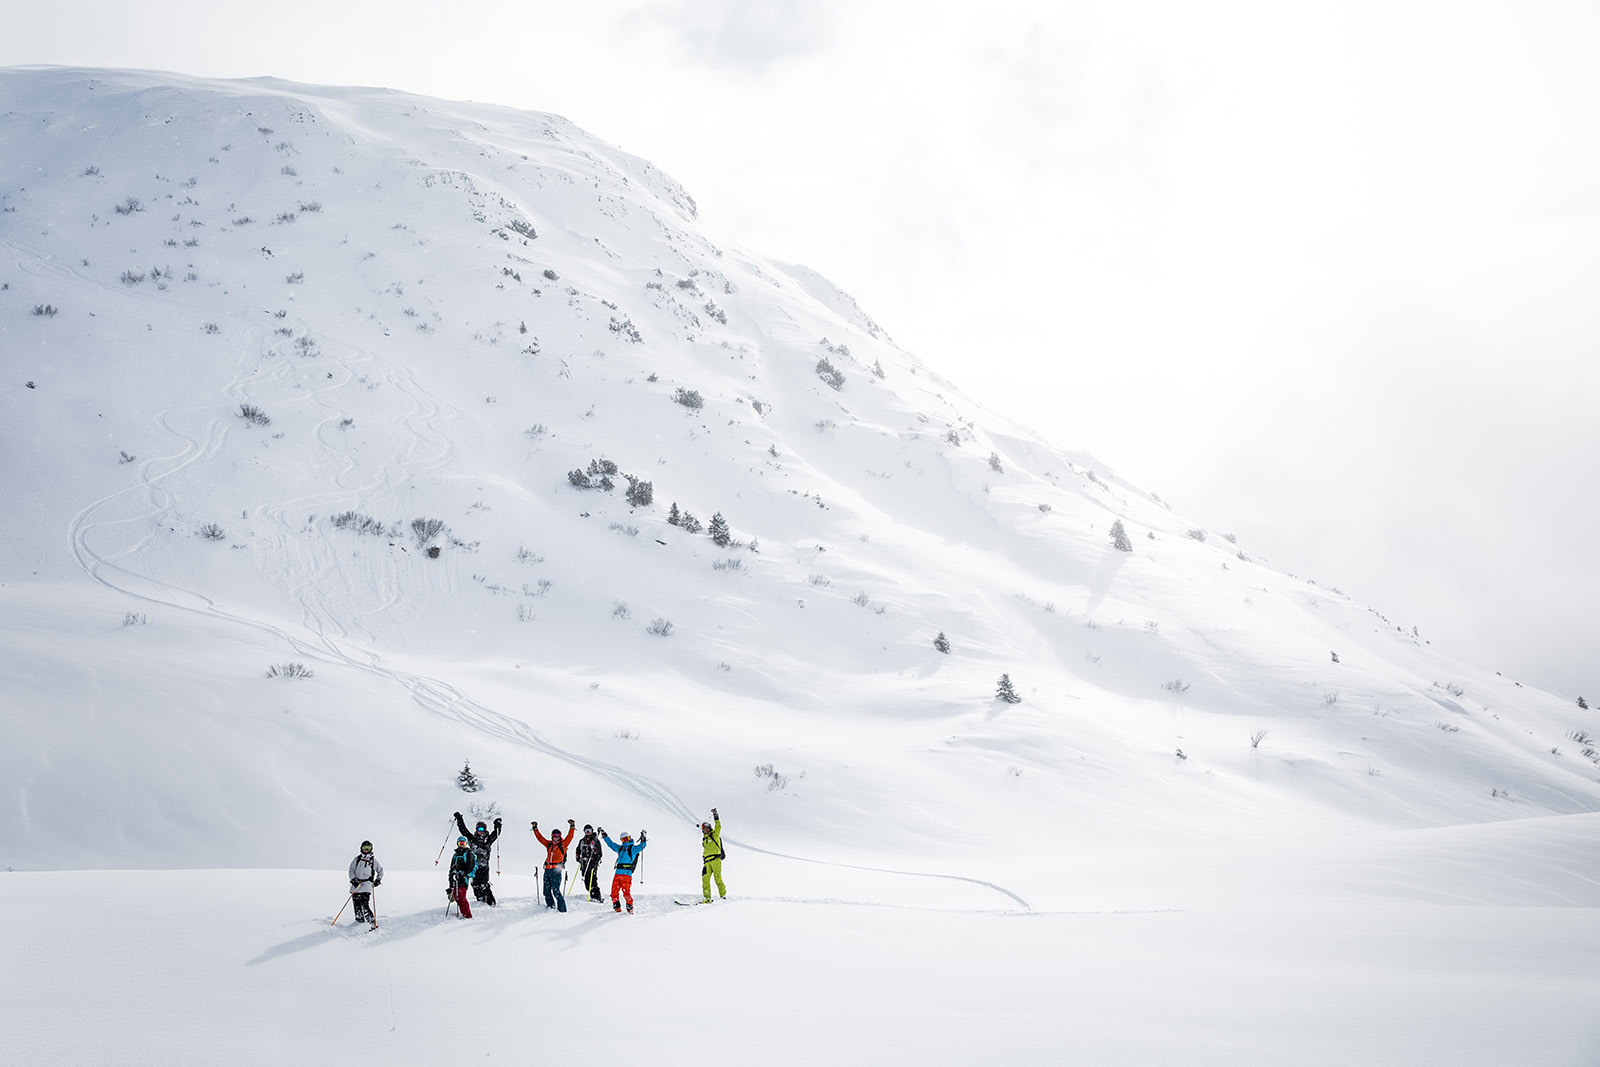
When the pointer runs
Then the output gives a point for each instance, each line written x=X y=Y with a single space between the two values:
x=555 y=862
x=463 y=865
x=627 y=860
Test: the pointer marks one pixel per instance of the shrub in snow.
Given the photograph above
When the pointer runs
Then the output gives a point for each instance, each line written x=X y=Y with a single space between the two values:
x=46 y=310
x=1256 y=738
x=659 y=627
x=942 y=643
x=689 y=523
x=640 y=492
x=994 y=463
x=1198 y=535
x=357 y=523
x=775 y=781
x=831 y=376
x=1006 y=692
x=211 y=532
x=689 y=398
x=129 y=206
x=1119 y=537
x=289 y=670
x=425 y=530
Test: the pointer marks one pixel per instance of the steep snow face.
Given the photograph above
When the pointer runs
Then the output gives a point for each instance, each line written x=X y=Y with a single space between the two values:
x=303 y=387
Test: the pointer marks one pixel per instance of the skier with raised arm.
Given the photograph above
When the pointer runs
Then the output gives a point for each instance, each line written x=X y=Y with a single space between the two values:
x=555 y=862
x=590 y=852
x=482 y=840
x=712 y=855
x=627 y=860
x=366 y=874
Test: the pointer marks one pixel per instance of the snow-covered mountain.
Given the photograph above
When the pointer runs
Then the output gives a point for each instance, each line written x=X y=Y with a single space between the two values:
x=301 y=385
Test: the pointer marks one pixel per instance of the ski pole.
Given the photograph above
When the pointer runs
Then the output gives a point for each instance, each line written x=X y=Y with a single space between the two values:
x=497 y=857
x=343 y=906
x=638 y=862
x=373 y=907
x=442 y=847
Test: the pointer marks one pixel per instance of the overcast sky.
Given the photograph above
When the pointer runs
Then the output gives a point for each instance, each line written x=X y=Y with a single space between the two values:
x=1322 y=275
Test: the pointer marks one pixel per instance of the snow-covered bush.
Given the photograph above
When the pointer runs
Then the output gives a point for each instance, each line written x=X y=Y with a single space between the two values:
x=425 y=530
x=640 y=493
x=830 y=375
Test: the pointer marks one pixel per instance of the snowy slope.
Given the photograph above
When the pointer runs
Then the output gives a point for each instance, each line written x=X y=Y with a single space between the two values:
x=256 y=335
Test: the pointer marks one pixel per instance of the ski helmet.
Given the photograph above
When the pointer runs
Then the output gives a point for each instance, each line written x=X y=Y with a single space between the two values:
x=482 y=825
x=626 y=838
x=461 y=840
x=705 y=828
x=588 y=829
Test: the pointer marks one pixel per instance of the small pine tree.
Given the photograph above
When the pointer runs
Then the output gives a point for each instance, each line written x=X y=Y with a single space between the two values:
x=1006 y=691
x=1119 y=537
x=674 y=516
x=468 y=781
x=942 y=643
x=719 y=532
x=640 y=492
x=1582 y=704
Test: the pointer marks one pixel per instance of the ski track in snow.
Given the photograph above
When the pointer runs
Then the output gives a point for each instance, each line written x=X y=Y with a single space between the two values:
x=302 y=572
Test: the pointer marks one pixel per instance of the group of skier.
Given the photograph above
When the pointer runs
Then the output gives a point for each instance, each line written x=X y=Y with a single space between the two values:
x=469 y=866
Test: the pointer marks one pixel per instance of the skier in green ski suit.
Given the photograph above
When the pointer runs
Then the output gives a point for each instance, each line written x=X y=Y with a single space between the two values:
x=711 y=866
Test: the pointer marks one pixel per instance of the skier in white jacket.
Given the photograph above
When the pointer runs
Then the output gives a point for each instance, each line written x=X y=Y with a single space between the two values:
x=366 y=874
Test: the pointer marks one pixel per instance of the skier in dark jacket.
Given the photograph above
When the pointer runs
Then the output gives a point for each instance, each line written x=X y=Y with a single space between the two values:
x=366 y=874
x=483 y=840
x=463 y=865
x=590 y=852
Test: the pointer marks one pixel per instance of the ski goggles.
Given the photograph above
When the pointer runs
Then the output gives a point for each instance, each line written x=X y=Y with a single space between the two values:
x=366 y=850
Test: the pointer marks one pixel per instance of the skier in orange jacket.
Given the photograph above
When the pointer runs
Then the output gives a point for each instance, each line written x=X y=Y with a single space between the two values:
x=555 y=862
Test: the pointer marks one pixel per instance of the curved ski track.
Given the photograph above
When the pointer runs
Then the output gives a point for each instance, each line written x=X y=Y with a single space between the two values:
x=302 y=569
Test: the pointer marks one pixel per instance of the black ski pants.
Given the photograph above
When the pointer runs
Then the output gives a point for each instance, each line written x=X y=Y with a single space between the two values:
x=481 y=889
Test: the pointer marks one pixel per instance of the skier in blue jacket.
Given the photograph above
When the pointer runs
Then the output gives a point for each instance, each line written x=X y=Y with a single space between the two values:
x=627 y=859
